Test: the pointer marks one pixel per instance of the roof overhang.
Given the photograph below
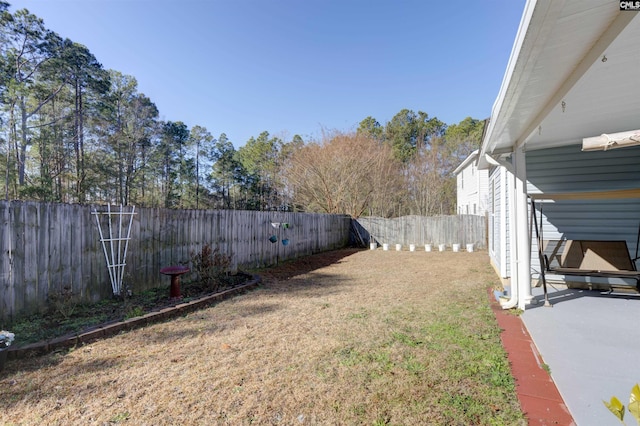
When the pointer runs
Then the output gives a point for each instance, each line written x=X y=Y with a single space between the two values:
x=570 y=76
x=472 y=157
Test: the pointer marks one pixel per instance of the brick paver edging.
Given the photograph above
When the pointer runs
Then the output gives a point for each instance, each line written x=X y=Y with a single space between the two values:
x=111 y=329
x=539 y=398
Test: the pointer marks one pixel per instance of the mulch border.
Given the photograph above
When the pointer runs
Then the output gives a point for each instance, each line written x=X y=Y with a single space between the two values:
x=111 y=329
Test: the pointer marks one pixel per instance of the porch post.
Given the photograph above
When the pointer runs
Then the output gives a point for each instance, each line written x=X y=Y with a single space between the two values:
x=521 y=240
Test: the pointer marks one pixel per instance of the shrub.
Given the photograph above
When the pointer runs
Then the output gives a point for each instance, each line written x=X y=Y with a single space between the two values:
x=63 y=301
x=212 y=267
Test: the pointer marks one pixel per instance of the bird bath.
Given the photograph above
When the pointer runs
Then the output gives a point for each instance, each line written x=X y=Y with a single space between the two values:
x=174 y=272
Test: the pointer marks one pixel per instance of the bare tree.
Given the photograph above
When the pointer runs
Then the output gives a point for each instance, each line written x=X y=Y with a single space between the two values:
x=345 y=173
x=429 y=181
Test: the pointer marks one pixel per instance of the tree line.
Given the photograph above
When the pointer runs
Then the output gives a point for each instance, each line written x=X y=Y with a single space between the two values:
x=74 y=132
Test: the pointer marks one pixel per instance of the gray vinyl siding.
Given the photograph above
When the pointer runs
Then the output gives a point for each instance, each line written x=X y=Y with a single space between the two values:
x=568 y=169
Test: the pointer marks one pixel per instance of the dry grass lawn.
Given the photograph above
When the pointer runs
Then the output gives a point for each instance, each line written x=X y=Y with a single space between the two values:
x=348 y=337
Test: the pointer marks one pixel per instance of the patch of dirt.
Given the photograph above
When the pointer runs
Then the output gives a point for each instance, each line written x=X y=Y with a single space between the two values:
x=292 y=268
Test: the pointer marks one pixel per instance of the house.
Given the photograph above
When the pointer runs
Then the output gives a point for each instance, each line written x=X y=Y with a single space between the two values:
x=471 y=186
x=563 y=133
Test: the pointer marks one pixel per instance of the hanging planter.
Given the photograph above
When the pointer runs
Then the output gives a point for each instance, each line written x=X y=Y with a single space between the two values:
x=285 y=242
x=273 y=239
x=285 y=225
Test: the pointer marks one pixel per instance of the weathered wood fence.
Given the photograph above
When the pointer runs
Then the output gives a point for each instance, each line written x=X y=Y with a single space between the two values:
x=420 y=230
x=45 y=247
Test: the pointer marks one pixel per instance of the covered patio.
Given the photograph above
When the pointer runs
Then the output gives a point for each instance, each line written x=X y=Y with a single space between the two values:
x=565 y=122
x=566 y=84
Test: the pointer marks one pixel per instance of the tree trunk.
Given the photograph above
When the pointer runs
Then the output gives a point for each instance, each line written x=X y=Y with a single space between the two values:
x=21 y=153
x=83 y=172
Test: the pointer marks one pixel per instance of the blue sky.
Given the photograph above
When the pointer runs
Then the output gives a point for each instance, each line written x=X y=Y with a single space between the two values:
x=297 y=66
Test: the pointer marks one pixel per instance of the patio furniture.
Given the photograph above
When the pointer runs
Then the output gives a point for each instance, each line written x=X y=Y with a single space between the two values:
x=609 y=259
x=588 y=258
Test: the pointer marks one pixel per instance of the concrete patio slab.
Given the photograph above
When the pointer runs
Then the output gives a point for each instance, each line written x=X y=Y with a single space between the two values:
x=591 y=342
x=539 y=398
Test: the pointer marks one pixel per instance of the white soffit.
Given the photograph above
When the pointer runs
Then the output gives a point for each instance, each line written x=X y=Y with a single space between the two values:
x=558 y=89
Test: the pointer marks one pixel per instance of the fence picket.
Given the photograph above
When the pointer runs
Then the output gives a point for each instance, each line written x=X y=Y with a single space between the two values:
x=460 y=229
x=45 y=246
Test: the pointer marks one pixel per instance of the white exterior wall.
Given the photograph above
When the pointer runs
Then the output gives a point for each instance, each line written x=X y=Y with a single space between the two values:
x=498 y=221
x=472 y=188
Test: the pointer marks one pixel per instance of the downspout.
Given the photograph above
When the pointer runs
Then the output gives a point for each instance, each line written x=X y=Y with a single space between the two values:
x=522 y=228
x=518 y=228
x=503 y=225
x=513 y=299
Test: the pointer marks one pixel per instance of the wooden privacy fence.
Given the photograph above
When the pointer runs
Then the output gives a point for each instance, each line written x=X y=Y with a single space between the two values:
x=420 y=230
x=45 y=247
